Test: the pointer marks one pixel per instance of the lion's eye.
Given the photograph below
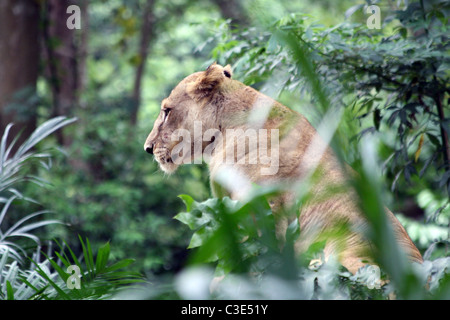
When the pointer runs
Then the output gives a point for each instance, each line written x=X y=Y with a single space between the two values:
x=166 y=114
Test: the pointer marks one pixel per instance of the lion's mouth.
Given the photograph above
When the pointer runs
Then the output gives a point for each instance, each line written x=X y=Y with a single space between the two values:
x=162 y=156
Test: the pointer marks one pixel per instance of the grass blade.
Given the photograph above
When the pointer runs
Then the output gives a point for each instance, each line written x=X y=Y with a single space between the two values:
x=9 y=291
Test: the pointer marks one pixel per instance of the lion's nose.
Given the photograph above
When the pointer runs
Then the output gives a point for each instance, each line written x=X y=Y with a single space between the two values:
x=149 y=148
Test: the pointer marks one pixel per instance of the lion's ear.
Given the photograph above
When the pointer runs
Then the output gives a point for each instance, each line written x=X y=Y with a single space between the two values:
x=227 y=71
x=209 y=82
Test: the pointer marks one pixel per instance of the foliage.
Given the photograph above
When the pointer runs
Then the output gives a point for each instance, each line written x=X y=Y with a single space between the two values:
x=119 y=196
x=18 y=283
x=12 y=161
x=238 y=241
x=49 y=279
x=20 y=229
x=44 y=278
x=105 y=187
x=390 y=84
x=219 y=225
x=398 y=82
x=374 y=75
x=14 y=169
x=99 y=279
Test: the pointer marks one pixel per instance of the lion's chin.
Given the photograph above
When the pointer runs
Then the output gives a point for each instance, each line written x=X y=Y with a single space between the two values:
x=168 y=167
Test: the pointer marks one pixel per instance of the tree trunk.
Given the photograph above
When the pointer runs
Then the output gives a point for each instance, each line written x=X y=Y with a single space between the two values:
x=19 y=65
x=233 y=9
x=147 y=31
x=61 y=59
x=83 y=45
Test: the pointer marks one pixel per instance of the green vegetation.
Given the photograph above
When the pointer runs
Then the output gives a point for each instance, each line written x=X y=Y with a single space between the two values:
x=77 y=188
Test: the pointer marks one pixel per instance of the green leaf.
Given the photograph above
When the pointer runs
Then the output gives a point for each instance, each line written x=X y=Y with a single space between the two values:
x=350 y=11
x=201 y=236
x=188 y=201
x=88 y=258
x=119 y=265
x=194 y=219
x=272 y=45
x=376 y=118
x=419 y=148
x=72 y=254
x=9 y=291
x=426 y=165
x=43 y=131
x=102 y=258
x=62 y=273
x=58 y=289
x=435 y=141
x=200 y=214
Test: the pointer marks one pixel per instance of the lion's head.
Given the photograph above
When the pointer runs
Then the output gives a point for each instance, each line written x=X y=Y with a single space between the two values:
x=192 y=101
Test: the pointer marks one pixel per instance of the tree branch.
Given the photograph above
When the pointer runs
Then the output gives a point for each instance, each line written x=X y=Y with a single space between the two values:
x=444 y=135
x=148 y=21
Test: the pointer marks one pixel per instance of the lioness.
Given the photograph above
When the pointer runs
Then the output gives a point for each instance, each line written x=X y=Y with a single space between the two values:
x=207 y=105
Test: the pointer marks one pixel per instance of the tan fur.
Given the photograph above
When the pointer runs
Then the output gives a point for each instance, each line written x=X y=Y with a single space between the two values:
x=223 y=103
